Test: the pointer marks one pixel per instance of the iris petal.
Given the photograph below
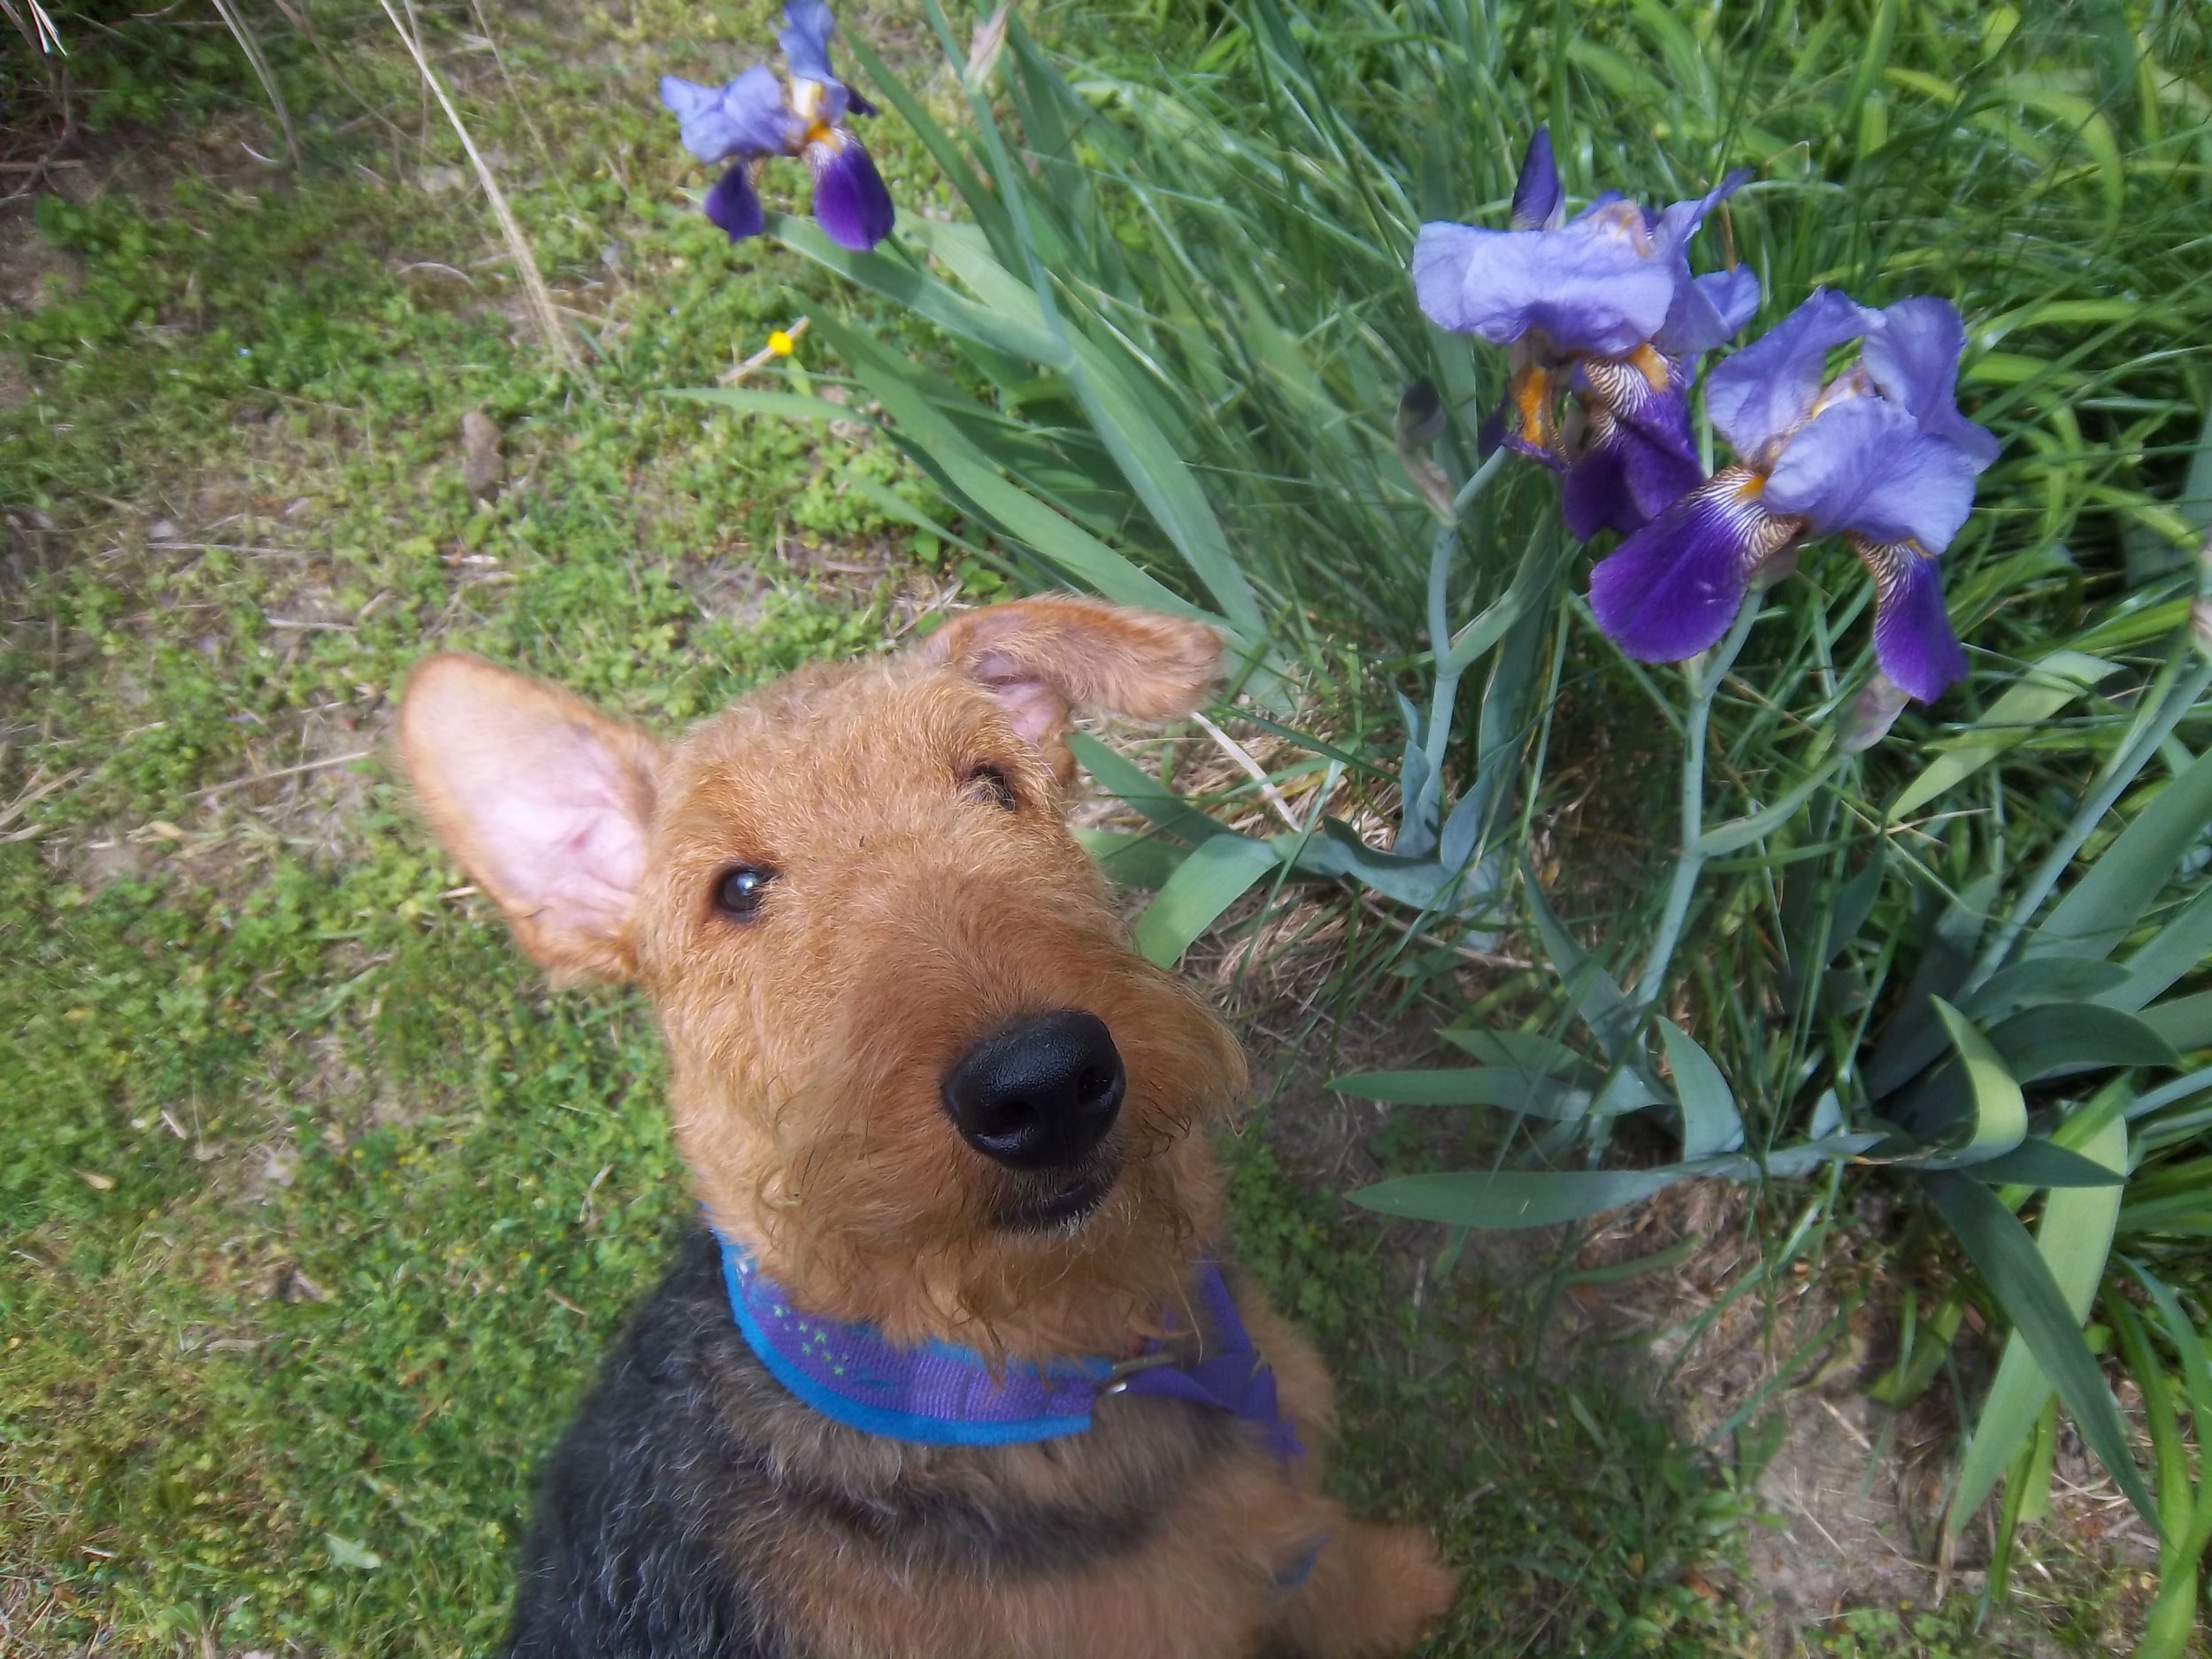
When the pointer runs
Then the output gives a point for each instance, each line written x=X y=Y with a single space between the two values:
x=745 y=118
x=850 y=201
x=1913 y=640
x=1707 y=311
x=1594 y=496
x=1872 y=712
x=1862 y=464
x=734 y=205
x=1646 y=391
x=805 y=37
x=1538 y=201
x=1913 y=358
x=1529 y=421
x=1591 y=287
x=1672 y=589
x=1657 y=476
x=1676 y=224
x=1641 y=457
x=1763 y=391
x=1622 y=480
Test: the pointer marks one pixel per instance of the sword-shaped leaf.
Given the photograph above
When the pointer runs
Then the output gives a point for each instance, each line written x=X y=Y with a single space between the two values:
x=1217 y=873
x=1515 y=1198
x=2117 y=892
x=2041 y=1042
x=1141 y=790
x=2001 y=1112
x=2018 y=1276
x=1710 y=1123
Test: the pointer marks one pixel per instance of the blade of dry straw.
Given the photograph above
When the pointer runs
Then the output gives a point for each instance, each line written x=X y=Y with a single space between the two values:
x=517 y=247
x=36 y=27
x=250 y=44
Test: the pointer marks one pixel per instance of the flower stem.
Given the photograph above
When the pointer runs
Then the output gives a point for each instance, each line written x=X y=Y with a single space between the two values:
x=1689 y=863
x=1444 y=697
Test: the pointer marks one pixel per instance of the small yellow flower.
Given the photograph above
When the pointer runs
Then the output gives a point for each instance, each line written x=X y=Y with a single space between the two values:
x=779 y=344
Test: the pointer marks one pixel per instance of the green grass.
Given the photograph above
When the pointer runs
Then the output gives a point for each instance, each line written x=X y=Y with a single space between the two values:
x=317 y=1209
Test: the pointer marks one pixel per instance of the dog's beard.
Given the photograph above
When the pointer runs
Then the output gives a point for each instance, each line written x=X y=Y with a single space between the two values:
x=920 y=1243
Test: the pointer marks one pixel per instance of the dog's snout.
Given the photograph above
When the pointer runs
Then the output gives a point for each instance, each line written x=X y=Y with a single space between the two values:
x=1040 y=1095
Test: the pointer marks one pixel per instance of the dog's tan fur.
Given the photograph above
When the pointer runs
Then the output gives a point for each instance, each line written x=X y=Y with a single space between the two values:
x=911 y=911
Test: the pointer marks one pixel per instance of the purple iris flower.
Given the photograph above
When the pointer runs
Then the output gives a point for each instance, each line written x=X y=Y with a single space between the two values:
x=1879 y=455
x=758 y=115
x=1603 y=307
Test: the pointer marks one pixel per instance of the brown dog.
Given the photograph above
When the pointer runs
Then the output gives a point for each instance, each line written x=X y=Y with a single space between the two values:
x=929 y=1098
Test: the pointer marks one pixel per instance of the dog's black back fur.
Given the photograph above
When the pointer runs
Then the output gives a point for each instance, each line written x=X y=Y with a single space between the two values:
x=623 y=1555
x=660 y=1509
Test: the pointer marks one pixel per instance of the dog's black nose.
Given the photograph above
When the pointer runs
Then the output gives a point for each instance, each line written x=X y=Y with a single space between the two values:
x=1041 y=1095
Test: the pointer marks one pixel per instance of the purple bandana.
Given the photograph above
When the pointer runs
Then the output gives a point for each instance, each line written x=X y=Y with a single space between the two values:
x=941 y=1394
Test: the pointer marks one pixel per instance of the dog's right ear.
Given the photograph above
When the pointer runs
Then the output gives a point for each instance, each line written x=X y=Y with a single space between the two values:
x=547 y=803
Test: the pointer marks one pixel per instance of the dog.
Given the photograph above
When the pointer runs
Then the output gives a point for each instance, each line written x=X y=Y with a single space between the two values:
x=952 y=1368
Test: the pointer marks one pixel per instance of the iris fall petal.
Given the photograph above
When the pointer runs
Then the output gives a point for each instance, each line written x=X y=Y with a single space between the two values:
x=851 y=203
x=734 y=205
x=1672 y=589
x=1639 y=457
x=1622 y=480
x=1913 y=640
x=1594 y=496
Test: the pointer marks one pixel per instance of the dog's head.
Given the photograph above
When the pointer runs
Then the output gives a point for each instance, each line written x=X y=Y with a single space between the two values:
x=914 y=1064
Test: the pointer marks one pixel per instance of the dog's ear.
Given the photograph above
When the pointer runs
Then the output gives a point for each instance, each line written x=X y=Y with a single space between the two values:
x=547 y=803
x=1043 y=657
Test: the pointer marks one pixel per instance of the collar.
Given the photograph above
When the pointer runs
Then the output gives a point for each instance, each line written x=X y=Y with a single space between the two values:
x=943 y=1394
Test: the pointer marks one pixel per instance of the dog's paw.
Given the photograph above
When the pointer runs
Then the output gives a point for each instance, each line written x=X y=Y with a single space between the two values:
x=1404 y=1586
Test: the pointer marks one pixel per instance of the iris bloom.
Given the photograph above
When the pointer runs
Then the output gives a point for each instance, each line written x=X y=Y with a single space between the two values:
x=758 y=115
x=1604 y=306
x=1879 y=455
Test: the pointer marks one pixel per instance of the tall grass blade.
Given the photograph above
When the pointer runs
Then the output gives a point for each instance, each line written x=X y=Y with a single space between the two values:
x=2037 y=694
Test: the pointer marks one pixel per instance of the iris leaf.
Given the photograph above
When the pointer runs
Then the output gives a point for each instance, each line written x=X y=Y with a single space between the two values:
x=2113 y=895
x=1215 y=876
x=2022 y=1282
x=1710 y=1123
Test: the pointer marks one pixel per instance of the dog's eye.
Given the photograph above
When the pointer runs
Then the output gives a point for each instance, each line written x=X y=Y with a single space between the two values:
x=741 y=890
x=986 y=782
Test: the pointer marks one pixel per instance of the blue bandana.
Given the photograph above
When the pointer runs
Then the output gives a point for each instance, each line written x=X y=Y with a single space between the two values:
x=941 y=1395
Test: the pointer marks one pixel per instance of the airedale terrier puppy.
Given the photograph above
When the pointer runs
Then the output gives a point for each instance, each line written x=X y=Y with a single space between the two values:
x=954 y=1369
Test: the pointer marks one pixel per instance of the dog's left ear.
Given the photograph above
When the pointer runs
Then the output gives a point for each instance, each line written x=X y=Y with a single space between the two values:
x=1043 y=659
